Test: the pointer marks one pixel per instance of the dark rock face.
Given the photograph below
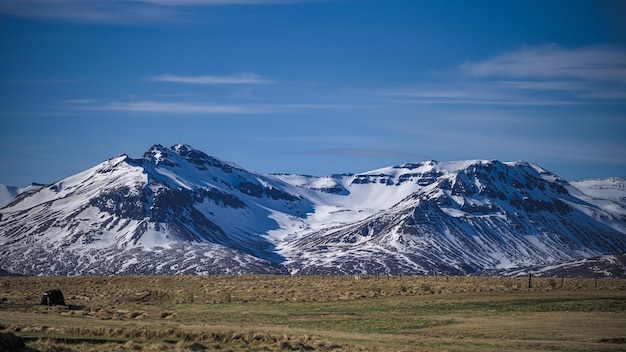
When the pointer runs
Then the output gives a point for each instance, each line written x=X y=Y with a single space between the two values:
x=333 y=190
x=259 y=191
x=423 y=179
x=251 y=189
x=220 y=198
x=199 y=159
x=366 y=179
x=125 y=202
x=537 y=205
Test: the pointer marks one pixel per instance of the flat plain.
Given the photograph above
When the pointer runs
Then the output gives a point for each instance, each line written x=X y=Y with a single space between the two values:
x=316 y=313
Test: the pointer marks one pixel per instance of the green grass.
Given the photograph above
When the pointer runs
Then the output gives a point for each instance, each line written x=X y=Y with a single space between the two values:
x=316 y=313
x=365 y=316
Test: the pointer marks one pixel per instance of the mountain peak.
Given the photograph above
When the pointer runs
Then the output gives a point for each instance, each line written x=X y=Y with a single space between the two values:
x=182 y=149
x=195 y=156
x=157 y=154
x=181 y=153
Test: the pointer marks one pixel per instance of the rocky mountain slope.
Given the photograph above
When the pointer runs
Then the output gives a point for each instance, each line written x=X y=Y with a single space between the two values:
x=177 y=210
x=603 y=266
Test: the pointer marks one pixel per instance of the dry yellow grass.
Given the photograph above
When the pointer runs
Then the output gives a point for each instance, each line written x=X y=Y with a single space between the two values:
x=338 y=313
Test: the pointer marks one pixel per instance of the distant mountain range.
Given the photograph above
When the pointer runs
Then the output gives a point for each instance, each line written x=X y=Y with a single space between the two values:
x=178 y=210
x=7 y=194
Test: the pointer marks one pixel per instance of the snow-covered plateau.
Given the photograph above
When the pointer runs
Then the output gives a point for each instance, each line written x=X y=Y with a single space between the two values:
x=178 y=210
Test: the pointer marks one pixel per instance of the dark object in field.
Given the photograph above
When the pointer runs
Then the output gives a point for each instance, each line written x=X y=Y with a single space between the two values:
x=10 y=342
x=52 y=298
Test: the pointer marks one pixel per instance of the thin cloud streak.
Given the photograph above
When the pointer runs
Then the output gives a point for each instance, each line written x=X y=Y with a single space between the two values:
x=546 y=75
x=79 y=101
x=204 y=108
x=244 y=78
x=544 y=85
x=471 y=94
x=177 y=108
x=600 y=62
x=109 y=12
x=121 y=12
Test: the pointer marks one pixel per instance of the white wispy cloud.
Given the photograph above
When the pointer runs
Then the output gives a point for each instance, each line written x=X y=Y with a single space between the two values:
x=545 y=85
x=120 y=11
x=179 y=108
x=244 y=78
x=79 y=101
x=541 y=76
x=89 y=11
x=151 y=106
x=472 y=93
x=599 y=62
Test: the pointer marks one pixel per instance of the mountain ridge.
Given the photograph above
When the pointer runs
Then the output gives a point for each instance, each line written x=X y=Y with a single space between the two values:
x=178 y=210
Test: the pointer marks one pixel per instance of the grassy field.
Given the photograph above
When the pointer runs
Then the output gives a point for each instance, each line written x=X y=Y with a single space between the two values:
x=321 y=313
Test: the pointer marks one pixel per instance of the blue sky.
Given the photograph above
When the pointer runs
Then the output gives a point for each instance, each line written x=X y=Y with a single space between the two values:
x=312 y=87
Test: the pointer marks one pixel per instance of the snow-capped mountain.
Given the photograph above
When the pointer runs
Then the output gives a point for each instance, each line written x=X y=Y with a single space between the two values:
x=613 y=188
x=461 y=217
x=177 y=210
